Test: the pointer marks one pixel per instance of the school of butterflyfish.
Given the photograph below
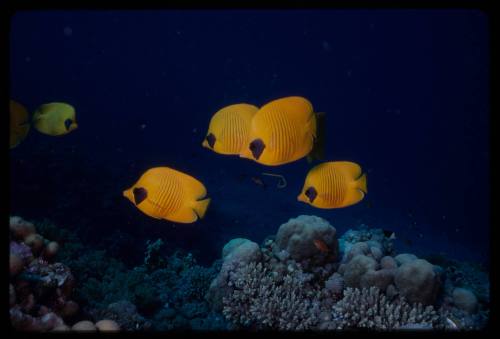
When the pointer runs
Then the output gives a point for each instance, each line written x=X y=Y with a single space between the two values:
x=280 y=132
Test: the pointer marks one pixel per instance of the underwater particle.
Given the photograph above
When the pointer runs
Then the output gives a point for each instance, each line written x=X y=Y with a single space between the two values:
x=326 y=46
x=195 y=130
x=68 y=31
x=27 y=59
x=143 y=126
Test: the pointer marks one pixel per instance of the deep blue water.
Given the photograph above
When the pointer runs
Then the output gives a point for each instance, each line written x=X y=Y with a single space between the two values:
x=406 y=94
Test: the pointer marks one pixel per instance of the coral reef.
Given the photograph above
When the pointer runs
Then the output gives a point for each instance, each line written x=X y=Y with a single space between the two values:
x=373 y=237
x=263 y=300
x=152 y=258
x=297 y=238
x=418 y=281
x=369 y=308
x=368 y=286
x=302 y=278
x=40 y=290
x=241 y=251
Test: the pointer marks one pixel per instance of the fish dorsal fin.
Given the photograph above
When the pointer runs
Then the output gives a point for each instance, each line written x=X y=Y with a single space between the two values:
x=350 y=169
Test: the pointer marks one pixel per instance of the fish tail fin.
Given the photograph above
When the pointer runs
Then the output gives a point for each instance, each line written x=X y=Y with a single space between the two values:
x=200 y=207
x=361 y=183
x=318 y=149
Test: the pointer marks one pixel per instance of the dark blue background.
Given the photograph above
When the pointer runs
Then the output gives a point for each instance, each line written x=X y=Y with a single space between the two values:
x=406 y=95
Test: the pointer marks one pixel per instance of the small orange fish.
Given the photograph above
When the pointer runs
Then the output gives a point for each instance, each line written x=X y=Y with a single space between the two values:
x=320 y=245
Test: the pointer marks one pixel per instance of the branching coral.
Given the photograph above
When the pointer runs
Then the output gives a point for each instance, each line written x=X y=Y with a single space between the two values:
x=152 y=257
x=369 y=308
x=266 y=300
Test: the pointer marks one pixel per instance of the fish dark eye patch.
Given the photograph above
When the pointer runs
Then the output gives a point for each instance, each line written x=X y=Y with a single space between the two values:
x=211 y=140
x=257 y=147
x=139 y=195
x=311 y=193
x=68 y=123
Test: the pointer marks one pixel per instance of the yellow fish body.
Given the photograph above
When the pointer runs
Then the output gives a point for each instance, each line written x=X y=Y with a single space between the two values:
x=55 y=118
x=228 y=129
x=19 y=123
x=165 y=193
x=334 y=184
x=281 y=131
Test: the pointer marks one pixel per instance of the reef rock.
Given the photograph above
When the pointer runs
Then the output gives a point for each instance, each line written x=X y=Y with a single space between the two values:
x=465 y=300
x=380 y=279
x=232 y=245
x=418 y=281
x=388 y=262
x=356 y=268
x=300 y=237
x=404 y=258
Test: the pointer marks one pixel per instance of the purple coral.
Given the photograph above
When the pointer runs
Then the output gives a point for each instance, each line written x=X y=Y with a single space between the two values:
x=22 y=251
